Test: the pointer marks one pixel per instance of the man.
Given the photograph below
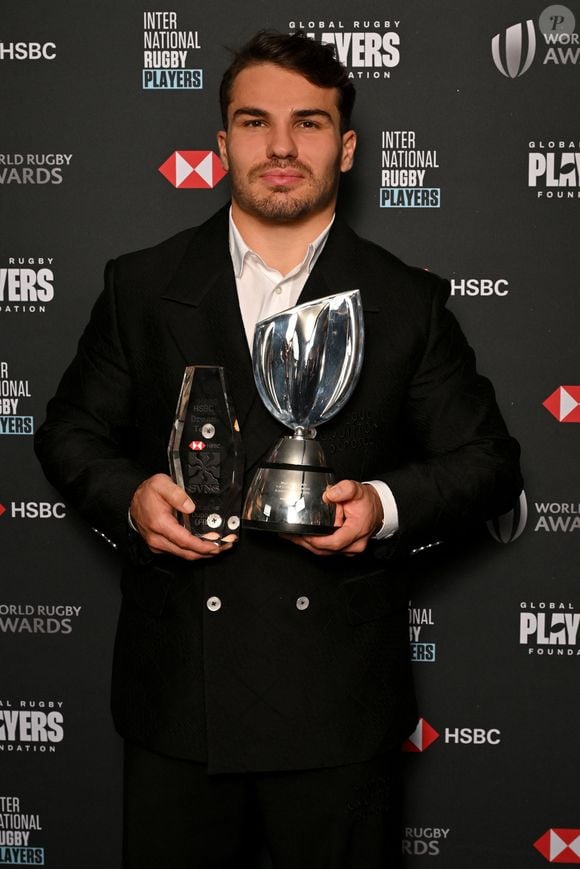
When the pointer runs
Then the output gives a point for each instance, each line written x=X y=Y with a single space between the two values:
x=263 y=686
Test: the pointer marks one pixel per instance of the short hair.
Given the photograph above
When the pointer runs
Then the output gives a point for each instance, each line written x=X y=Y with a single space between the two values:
x=314 y=60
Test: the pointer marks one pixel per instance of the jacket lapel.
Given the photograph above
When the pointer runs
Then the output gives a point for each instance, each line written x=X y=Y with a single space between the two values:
x=203 y=318
x=337 y=270
x=202 y=313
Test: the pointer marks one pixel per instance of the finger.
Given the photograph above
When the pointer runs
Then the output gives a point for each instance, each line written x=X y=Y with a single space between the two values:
x=344 y=490
x=342 y=538
x=308 y=543
x=166 y=534
x=173 y=494
x=166 y=548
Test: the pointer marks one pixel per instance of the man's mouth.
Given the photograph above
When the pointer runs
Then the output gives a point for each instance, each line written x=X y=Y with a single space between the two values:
x=281 y=177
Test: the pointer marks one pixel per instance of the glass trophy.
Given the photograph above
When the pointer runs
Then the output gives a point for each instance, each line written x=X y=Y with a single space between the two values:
x=206 y=455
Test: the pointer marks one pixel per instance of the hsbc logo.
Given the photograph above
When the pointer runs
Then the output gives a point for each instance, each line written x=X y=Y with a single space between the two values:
x=421 y=738
x=559 y=845
x=193 y=170
x=484 y=287
x=425 y=735
x=27 y=51
x=564 y=404
x=35 y=510
x=513 y=51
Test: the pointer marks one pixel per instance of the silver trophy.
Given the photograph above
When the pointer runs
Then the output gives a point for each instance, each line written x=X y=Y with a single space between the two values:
x=307 y=361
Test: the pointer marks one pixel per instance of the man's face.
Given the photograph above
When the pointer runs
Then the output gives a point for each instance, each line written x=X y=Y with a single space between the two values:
x=283 y=147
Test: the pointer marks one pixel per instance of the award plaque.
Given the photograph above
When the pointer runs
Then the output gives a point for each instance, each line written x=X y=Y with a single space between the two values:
x=307 y=361
x=205 y=453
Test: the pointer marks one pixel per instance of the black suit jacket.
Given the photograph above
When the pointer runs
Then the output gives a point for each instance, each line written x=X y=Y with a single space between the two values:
x=261 y=684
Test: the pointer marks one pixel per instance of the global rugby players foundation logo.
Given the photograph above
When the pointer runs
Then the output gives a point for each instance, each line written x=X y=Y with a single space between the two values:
x=193 y=169
x=559 y=845
x=564 y=403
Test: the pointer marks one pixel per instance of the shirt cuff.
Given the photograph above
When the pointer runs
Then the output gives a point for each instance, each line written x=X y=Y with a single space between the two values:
x=390 y=513
x=131 y=523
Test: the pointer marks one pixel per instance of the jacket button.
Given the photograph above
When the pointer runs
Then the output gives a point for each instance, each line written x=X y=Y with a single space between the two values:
x=302 y=603
x=213 y=604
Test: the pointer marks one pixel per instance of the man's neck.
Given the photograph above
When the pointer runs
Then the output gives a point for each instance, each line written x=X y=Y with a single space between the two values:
x=282 y=246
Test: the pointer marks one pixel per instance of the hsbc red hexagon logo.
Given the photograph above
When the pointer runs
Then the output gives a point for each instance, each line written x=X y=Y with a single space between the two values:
x=564 y=403
x=559 y=846
x=193 y=169
x=197 y=446
x=2 y=509
x=422 y=737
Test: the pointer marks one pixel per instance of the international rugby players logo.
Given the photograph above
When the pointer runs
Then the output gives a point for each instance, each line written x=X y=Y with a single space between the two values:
x=513 y=50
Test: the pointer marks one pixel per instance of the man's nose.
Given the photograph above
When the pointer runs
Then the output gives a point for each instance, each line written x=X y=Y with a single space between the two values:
x=281 y=142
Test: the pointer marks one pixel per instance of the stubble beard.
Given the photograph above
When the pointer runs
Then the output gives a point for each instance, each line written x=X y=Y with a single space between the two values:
x=281 y=204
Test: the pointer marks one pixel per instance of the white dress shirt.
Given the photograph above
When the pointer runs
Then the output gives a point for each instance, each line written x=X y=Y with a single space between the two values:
x=262 y=292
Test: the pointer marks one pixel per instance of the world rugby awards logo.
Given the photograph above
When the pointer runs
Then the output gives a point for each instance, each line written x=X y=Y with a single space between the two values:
x=513 y=51
x=508 y=527
x=559 y=846
x=193 y=169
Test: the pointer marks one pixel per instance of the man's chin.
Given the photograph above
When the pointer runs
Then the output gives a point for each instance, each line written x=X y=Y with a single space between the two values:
x=283 y=209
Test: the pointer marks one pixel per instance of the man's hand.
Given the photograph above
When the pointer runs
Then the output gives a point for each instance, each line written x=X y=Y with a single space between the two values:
x=359 y=515
x=151 y=511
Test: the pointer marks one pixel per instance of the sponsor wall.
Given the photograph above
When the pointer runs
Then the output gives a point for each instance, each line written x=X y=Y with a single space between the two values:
x=468 y=165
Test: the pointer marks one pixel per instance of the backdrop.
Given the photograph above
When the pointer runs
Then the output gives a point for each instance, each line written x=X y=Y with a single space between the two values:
x=468 y=165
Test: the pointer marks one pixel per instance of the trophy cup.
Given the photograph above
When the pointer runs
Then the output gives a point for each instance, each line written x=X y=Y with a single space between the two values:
x=307 y=361
x=205 y=453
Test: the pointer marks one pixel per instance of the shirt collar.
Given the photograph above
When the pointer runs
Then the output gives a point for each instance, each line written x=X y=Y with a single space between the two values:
x=239 y=250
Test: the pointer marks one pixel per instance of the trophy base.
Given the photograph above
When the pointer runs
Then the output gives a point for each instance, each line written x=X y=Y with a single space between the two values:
x=288 y=528
x=286 y=493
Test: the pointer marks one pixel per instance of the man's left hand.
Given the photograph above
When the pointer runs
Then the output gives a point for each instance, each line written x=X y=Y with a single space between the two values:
x=359 y=515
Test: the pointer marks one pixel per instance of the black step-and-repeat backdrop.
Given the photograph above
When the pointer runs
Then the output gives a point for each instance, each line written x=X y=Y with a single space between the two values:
x=468 y=165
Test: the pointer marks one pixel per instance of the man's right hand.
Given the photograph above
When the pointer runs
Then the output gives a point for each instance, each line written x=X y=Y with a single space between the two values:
x=152 y=512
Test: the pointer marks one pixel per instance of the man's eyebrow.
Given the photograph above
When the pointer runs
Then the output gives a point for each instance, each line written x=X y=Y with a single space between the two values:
x=308 y=113
x=250 y=110
x=255 y=112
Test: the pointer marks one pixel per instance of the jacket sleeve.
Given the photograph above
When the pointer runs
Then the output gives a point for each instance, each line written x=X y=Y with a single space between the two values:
x=84 y=445
x=464 y=466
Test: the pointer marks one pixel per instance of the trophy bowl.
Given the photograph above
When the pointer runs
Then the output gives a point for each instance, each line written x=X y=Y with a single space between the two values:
x=307 y=361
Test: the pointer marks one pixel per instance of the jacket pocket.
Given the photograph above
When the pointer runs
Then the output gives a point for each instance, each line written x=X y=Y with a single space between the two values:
x=374 y=596
x=146 y=587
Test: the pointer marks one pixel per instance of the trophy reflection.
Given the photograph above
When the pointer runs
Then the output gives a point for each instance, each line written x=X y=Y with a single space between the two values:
x=307 y=361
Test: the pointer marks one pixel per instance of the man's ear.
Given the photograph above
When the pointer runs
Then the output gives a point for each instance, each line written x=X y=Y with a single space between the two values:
x=222 y=137
x=348 y=149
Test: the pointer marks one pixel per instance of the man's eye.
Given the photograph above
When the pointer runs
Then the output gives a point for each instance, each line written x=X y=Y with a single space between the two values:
x=254 y=122
x=309 y=125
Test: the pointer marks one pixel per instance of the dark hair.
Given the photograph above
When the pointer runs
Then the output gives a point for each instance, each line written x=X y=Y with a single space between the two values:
x=314 y=60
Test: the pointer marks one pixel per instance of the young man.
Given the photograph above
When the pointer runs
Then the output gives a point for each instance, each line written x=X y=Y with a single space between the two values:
x=263 y=686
